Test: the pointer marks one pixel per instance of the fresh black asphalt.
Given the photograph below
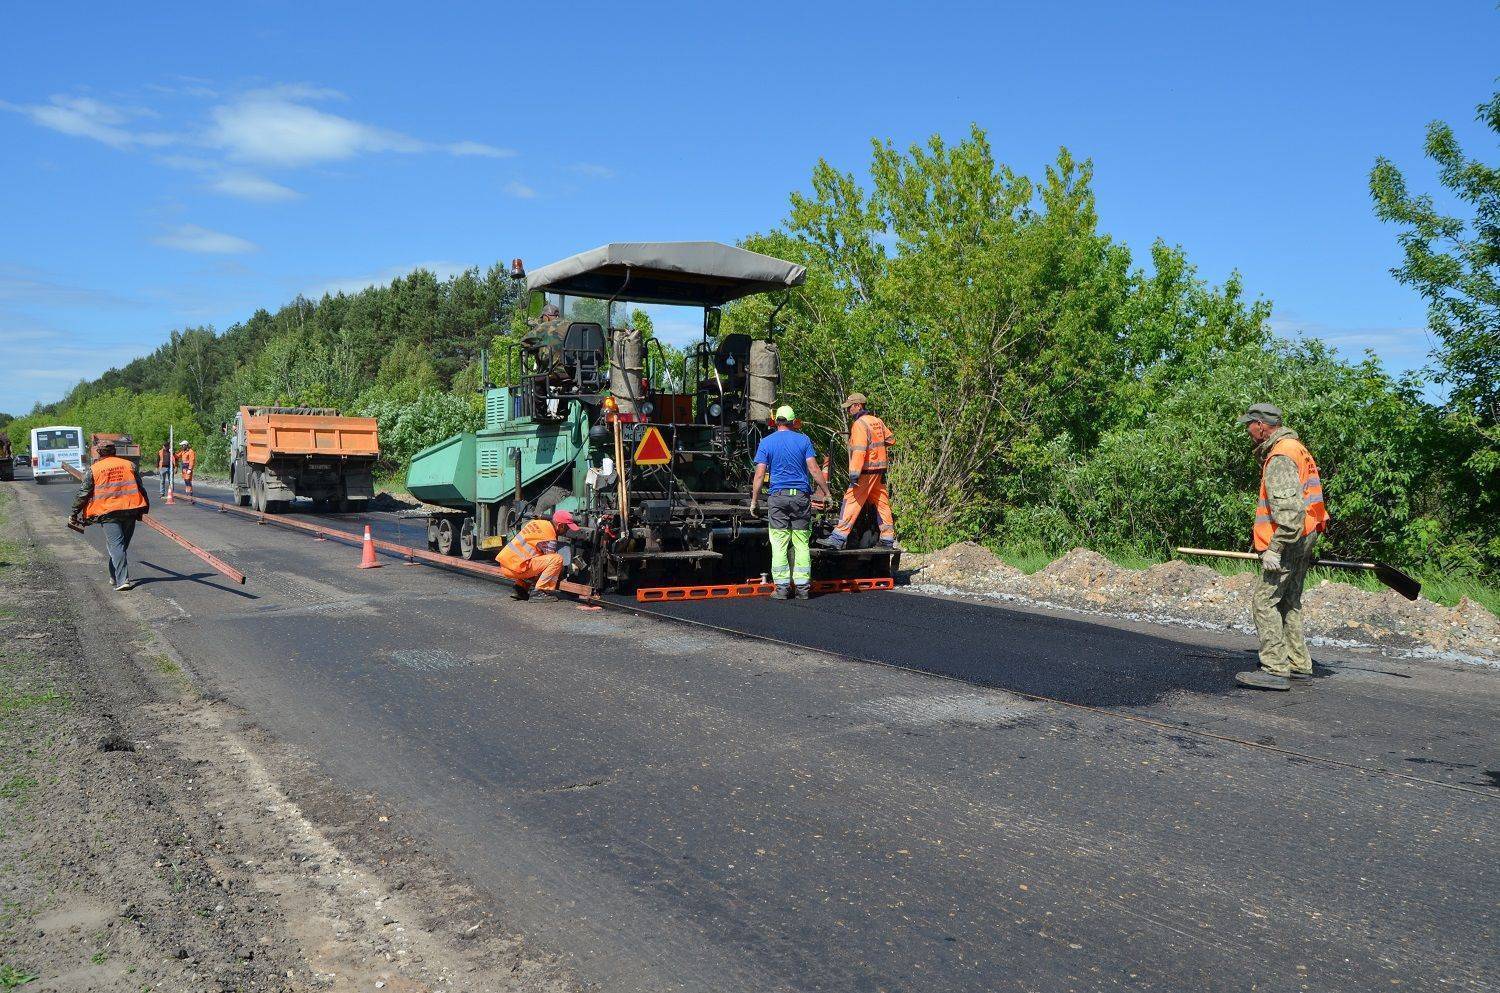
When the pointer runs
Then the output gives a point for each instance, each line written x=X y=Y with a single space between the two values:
x=674 y=809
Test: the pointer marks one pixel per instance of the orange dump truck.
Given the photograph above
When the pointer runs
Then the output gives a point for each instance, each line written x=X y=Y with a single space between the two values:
x=277 y=454
x=125 y=447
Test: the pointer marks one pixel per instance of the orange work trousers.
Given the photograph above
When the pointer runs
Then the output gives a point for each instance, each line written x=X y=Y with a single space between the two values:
x=548 y=566
x=870 y=487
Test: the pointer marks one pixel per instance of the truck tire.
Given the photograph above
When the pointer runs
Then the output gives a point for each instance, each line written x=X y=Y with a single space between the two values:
x=257 y=492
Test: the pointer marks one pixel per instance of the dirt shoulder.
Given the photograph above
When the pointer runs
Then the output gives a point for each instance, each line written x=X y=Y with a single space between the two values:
x=151 y=839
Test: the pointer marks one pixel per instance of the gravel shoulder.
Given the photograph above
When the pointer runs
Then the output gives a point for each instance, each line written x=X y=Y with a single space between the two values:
x=152 y=839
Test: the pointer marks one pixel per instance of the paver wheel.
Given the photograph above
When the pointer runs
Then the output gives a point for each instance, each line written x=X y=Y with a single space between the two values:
x=447 y=537
x=468 y=541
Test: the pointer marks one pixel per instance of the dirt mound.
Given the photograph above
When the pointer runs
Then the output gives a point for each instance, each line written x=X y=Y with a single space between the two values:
x=1178 y=579
x=1082 y=571
x=389 y=502
x=965 y=565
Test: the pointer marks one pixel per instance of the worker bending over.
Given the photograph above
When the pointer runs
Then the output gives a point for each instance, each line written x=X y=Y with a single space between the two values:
x=870 y=444
x=1289 y=518
x=188 y=460
x=532 y=556
x=111 y=495
x=787 y=455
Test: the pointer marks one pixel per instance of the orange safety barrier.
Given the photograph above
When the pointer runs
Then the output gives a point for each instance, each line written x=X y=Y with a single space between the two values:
x=754 y=588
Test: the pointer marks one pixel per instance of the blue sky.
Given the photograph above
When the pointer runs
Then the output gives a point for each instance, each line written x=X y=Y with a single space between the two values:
x=161 y=169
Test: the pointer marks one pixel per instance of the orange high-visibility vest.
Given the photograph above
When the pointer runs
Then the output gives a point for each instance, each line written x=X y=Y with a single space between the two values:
x=188 y=459
x=163 y=458
x=115 y=488
x=533 y=539
x=869 y=445
x=1314 y=511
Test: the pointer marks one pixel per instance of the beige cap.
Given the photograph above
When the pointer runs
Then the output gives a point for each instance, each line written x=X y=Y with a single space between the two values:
x=855 y=398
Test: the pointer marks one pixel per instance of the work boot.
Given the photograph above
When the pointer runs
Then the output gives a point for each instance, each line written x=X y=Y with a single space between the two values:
x=833 y=541
x=803 y=592
x=1261 y=679
x=1298 y=675
x=521 y=592
x=887 y=542
x=782 y=593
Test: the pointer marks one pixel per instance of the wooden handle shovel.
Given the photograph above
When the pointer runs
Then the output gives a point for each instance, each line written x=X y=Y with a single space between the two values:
x=1387 y=574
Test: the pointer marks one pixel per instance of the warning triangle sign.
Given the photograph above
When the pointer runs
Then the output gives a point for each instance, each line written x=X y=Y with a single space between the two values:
x=652 y=450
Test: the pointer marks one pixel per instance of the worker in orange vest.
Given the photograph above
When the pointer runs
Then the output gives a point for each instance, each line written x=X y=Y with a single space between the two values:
x=532 y=554
x=112 y=496
x=1289 y=519
x=164 y=467
x=870 y=444
x=188 y=459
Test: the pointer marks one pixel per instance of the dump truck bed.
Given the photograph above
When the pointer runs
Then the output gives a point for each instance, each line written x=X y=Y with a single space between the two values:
x=271 y=434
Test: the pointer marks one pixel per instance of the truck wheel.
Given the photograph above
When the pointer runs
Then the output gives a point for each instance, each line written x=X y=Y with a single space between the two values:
x=277 y=506
x=447 y=540
x=468 y=541
x=257 y=492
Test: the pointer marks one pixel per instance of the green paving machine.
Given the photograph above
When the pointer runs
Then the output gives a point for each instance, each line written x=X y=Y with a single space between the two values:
x=654 y=463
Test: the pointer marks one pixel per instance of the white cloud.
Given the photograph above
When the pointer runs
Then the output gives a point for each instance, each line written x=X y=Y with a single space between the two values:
x=269 y=129
x=248 y=186
x=481 y=149
x=85 y=117
x=593 y=170
x=192 y=238
x=519 y=190
x=384 y=277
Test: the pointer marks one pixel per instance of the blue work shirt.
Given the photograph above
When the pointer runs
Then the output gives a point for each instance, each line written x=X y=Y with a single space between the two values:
x=786 y=453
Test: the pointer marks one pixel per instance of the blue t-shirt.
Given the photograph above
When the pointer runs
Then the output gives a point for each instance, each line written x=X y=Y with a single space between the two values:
x=786 y=453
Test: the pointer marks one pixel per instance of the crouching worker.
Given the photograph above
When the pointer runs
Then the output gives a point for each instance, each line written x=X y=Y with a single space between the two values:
x=532 y=558
x=111 y=495
x=787 y=456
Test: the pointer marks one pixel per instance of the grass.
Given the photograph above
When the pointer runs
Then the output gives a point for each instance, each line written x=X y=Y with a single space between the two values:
x=12 y=702
x=17 y=786
x=1439 y=588
x=11 y=977
x=166 y=666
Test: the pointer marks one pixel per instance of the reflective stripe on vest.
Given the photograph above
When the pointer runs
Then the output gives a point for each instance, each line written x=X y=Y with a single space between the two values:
x=875 y=445
x=520 y=549
x=1314 y=511
x=115 y=488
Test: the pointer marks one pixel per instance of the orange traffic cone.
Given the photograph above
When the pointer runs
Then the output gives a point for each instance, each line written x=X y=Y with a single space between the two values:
x=170 y=487
x=368 y=561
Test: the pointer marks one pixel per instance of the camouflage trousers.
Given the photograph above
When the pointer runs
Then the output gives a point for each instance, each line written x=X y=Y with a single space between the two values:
x=1277 y=608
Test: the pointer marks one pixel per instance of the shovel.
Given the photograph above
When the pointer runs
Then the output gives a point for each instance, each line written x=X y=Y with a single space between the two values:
x=1387 y=574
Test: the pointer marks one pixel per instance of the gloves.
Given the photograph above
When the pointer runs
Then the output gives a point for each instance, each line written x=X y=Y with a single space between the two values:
x=1270 y=560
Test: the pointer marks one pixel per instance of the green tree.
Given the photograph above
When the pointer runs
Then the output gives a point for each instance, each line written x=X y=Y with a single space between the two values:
x=1454 y=263
x=984 y=313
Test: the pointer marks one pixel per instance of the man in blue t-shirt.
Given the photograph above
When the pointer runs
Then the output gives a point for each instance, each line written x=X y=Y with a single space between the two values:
x=787 y=454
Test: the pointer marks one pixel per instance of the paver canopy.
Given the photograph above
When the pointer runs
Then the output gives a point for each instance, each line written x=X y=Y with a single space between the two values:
x=692 y=273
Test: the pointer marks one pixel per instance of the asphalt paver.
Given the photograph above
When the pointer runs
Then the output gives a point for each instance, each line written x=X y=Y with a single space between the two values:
x=675 y=808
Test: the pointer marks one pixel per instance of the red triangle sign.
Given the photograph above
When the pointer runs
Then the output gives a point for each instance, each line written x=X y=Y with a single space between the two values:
x=652 y=450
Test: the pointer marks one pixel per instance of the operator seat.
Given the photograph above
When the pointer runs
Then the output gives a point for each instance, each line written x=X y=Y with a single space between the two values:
x=583 y=354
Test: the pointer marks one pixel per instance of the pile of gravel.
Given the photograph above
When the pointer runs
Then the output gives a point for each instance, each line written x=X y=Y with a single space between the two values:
x=1196 y=594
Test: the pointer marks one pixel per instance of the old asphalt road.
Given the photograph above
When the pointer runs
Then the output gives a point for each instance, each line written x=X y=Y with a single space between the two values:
x=677 y=808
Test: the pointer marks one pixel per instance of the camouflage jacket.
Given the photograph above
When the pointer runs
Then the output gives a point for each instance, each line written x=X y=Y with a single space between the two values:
x=1284 y=490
